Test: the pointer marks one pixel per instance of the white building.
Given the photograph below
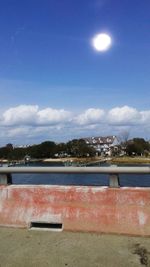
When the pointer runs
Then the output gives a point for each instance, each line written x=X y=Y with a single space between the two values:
x=103 y=145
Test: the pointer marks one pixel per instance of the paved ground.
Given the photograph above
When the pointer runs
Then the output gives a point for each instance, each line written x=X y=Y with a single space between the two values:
x=23 y=248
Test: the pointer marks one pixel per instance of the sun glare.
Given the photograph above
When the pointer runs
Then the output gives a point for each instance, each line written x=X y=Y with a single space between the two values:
x=102 y=42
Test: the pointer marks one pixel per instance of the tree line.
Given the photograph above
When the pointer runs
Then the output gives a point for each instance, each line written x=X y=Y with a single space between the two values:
x=137 y=146
x=73 y=148
x=48 y=149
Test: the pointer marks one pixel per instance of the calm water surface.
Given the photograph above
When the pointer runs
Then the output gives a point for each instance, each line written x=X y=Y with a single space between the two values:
x=79 y=179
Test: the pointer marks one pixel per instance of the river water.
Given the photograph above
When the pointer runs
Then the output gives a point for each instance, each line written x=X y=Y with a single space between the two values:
x=80 y=179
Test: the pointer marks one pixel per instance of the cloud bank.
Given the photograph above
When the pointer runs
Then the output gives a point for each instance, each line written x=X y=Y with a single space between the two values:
x=29 y=123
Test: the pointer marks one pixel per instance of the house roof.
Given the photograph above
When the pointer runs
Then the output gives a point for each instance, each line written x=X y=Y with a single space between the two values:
x=100 y=140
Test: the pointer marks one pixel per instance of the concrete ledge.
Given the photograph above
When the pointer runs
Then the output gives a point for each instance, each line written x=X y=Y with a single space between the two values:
x=77 y=208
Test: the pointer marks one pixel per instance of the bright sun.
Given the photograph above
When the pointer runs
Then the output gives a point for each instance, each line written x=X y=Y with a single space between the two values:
x=102 y=42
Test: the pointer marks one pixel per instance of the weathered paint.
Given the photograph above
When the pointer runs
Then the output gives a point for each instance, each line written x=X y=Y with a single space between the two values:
x=78 y=208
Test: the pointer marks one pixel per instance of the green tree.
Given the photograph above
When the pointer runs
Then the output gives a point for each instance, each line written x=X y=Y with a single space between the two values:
x=47 y=149
x=137 y=146
x=79 y=148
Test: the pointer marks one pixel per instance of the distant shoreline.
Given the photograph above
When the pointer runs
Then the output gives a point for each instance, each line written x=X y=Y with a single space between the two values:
x=125 y=160
x=112 y=160
x=131 y=160
x=71 y=159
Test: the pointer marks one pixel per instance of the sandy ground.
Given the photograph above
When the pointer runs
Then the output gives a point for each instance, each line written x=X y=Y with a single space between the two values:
x=65 y=159
x=55 y=160
x=25 y=248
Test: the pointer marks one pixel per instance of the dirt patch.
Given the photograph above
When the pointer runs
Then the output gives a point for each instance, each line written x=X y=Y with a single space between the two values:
x=143 y=254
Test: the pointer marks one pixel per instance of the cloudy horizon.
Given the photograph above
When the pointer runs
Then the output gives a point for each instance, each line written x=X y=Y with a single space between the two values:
x=28 y=124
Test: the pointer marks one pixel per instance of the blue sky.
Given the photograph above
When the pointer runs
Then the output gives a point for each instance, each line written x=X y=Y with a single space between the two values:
x=48 y=65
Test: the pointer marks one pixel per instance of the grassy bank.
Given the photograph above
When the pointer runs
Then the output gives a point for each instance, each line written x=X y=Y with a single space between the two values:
x=131 y=160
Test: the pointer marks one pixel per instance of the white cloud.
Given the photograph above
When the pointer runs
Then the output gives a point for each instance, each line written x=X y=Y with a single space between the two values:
x=124 y=116
x=29 y=123
x=90 y=116
x=23 y=114
x=53 y=116
x=31 y=115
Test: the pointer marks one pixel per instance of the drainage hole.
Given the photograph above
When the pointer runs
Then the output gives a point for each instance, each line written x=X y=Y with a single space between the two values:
x=42 y=225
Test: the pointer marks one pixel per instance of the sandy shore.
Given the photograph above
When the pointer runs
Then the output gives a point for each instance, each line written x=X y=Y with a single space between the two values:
x=70 y=159
x=56 y=160
x=22 y=248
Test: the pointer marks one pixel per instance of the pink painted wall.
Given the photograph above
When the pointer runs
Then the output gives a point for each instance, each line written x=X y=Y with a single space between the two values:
x=97 y=209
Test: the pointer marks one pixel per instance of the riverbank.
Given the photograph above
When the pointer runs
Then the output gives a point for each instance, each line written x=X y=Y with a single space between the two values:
x=130 y=160
x=21 y=248
x=95 y=160
x=88 y=160
x=76 y=160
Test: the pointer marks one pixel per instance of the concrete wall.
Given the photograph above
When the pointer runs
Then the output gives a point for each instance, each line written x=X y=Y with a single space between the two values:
x=78 y=208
